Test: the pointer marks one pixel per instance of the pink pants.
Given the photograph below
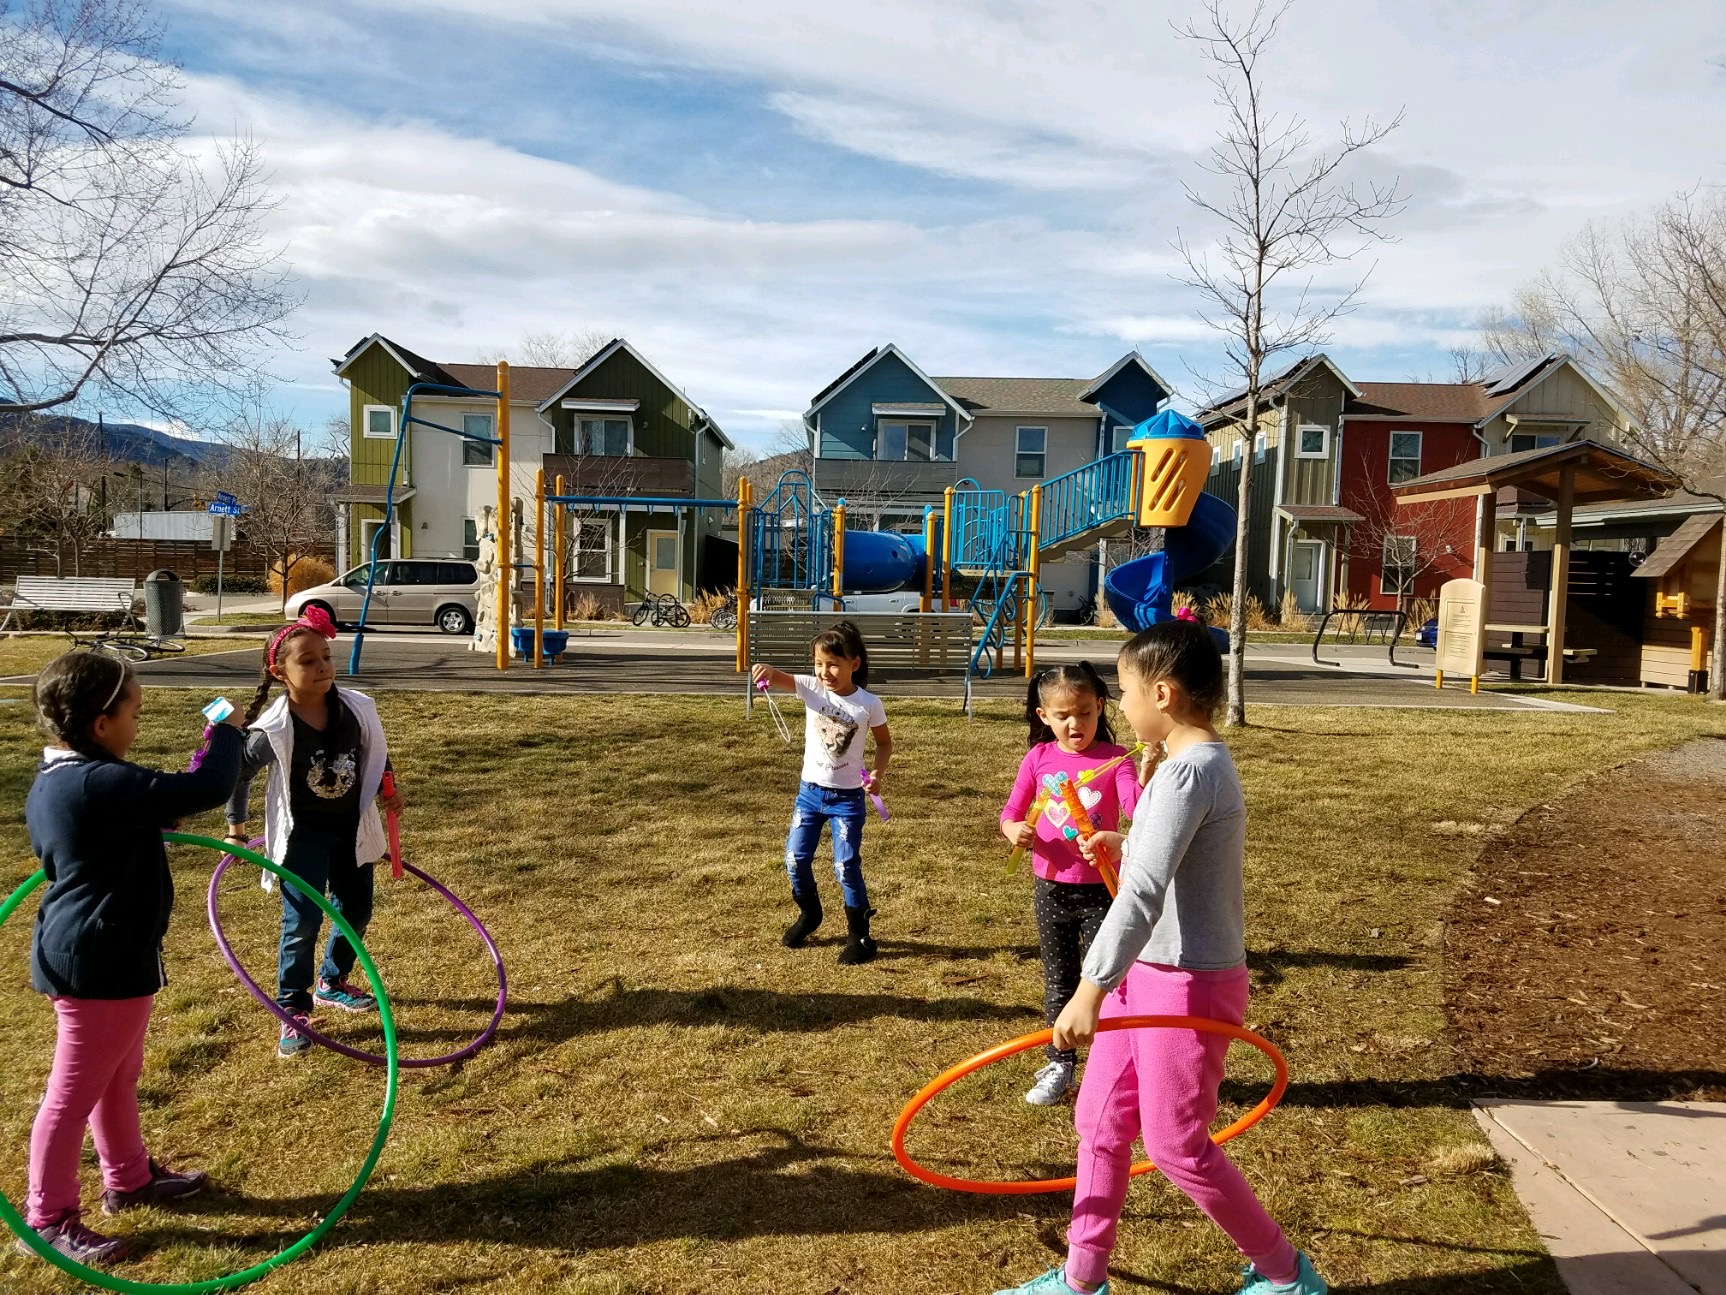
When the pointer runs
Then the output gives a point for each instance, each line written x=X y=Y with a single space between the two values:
x=1162 y=1085
x=98 y=1057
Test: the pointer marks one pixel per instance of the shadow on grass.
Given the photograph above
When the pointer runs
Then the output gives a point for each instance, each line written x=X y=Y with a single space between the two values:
x=1268 y=965
x=792 y=1188
x=1458 y=1091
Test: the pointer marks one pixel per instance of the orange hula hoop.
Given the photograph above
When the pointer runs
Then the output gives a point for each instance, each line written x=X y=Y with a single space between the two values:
x=947 y=1078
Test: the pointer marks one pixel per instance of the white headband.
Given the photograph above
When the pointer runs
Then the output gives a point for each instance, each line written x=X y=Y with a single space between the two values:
x=118 y=689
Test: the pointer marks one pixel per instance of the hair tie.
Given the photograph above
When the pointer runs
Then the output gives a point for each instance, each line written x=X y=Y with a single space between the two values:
x=1187 y=614
x=315 y=619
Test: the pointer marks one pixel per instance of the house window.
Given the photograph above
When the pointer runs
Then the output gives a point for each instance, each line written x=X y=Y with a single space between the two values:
x=890 y=439
x=1118 y=439
x=475 y=454
x=1396 y=575
x=593 y=549
x=379 y=422
x=1259 y=448
x=1404 y=457
x=1031 y=452
x=1216 y=456
x=1240 y=451
x=920 y=442
x=470 y=539
x=1313 y=442
x=608 y=437
x=1533 y=441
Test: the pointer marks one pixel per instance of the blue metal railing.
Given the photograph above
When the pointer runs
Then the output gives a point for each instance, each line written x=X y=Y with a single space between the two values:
x=791 y=536
x=1084 y=499
x=986 y=655
x=988 y=533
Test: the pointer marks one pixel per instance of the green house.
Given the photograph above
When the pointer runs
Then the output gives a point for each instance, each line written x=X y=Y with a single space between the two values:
x=615 y=427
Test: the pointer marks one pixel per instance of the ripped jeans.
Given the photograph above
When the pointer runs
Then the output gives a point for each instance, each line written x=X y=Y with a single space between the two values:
x=843 y=808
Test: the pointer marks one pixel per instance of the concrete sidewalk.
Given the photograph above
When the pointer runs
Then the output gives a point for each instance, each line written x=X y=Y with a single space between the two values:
x=1629 y=1197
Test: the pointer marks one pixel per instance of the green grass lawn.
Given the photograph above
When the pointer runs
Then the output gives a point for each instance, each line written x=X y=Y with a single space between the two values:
x=260 y=619
x=676 y=1103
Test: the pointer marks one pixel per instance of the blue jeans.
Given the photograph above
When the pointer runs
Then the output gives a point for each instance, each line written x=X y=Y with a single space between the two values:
x=844 y=810
x=327 y=863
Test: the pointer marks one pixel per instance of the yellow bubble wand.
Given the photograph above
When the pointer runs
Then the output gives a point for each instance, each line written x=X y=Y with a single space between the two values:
x=1086 y=777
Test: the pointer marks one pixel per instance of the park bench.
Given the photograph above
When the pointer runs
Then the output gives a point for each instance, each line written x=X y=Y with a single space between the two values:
x=1516 y=651
x=902 y=645
x=96 y=595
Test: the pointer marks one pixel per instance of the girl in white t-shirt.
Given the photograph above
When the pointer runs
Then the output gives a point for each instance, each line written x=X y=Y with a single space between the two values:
x=839 y=713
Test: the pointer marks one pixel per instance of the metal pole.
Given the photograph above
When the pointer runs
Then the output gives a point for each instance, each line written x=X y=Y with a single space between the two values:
x=1557 y=601
x=539 y=568
x=560 y=517
x=505 y=573
x=744 y=528
x=947 y=552
x=839 y=550
x=928 y=558
x=221 y=553
x=1032 y=602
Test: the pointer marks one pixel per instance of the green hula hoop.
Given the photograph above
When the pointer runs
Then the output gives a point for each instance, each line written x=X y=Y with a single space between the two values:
x=107 y=1281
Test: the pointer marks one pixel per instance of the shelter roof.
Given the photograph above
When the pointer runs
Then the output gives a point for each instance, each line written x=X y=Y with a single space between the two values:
x=1602 y=474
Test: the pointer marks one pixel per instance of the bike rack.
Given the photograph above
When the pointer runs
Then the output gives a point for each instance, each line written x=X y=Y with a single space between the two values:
x=1363 y=618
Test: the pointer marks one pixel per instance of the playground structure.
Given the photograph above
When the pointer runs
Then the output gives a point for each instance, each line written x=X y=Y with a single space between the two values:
x=796 y=553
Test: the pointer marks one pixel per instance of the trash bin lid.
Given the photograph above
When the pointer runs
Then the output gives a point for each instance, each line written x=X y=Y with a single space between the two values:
x=161 y=576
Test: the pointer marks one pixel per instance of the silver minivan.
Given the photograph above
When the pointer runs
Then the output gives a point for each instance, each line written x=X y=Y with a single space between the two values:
x=409 y=591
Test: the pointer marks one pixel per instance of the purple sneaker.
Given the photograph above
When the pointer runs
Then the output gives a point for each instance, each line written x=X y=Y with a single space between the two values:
x=79 y=1243
x=293 y=1042
x=339 y=993
x=165 y=1185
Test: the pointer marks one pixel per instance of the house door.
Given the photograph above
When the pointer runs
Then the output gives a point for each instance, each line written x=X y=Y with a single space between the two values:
x=662 y=562
x=1306 y=575
x=369 y=532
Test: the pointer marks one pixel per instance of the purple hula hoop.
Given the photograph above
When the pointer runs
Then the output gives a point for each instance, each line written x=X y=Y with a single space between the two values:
x=359 y=1054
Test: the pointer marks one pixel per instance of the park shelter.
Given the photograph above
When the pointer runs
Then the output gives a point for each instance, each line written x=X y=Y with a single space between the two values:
x=1577 y=472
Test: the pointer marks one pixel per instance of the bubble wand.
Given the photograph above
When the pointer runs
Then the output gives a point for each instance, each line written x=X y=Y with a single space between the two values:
x=394 y=827
x=1081 y=827
x=869 y=786
x=1086 y=776
x=773 y=708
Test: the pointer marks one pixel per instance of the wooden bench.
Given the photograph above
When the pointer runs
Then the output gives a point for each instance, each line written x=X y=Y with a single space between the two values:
x=97 y=595
x=1516 y=652
x=903 y=644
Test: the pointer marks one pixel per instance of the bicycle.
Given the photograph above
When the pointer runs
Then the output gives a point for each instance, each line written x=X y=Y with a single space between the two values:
x=663 y=609
x=129 y=647
x=725 y=615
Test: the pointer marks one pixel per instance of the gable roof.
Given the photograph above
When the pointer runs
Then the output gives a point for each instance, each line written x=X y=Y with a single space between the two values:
x=1055 y=397
x=868 y=362
x=612 y=348
x=1602 y=475
x=1131 y=357
x=1420 y=402
x=1222 y=409
x=525 y=381
x=1672 y=550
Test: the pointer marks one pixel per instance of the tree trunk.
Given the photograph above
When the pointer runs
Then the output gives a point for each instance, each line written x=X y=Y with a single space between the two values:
x=1716 y=675
x=1236 y=716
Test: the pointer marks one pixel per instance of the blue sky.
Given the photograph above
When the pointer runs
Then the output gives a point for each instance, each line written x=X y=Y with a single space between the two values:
x=757 y=192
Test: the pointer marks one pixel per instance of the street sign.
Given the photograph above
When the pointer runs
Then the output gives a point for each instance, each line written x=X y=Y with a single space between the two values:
x=221 y=532
x=225 y=505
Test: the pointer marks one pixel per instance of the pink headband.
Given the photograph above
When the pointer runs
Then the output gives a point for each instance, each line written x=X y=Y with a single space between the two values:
x=1187 y=614
x=315 y=619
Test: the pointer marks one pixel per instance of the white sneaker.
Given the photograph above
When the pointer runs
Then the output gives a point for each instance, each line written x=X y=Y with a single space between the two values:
x=1053 y=1082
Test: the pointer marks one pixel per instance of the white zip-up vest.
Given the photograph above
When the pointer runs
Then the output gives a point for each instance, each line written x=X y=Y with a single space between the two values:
x=277 y=724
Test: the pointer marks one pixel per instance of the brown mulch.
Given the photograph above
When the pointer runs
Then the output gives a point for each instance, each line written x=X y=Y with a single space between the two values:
x=1587 y=958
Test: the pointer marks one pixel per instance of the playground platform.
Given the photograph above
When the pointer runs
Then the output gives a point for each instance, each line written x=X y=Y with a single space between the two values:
x=700 y=662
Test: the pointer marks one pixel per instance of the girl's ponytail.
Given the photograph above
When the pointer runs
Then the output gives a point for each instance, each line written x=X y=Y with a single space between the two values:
x=262 y=695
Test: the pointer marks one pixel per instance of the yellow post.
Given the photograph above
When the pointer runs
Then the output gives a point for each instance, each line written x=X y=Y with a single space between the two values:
x=539 y=568
x=928 y=559
x=839 y=549
x=562 y=553
x=1438 y=679
x=744 y=500
x=947 y=552
x=506 y=573
x=1031 y=601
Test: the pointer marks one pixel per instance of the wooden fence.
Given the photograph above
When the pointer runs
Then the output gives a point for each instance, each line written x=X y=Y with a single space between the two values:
x=1603 y=611
x=118 y=559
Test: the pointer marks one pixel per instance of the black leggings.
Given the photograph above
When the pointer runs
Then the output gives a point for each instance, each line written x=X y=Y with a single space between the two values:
x=1068 y=915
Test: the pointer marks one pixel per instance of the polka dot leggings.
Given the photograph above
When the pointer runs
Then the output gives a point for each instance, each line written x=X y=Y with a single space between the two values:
x=1068 y=915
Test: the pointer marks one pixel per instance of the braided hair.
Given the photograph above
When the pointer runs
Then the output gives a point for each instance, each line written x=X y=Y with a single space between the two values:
x=73 y=692
x=1080 y=678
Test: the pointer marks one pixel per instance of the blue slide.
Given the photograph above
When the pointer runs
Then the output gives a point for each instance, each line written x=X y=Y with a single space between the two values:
x=1138 y=592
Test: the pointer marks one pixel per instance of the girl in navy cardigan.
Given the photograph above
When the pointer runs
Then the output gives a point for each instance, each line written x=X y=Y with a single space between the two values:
x=96 y=824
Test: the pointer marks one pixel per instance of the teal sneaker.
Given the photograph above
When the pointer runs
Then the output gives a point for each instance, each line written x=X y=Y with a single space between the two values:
x=338 y=993
x=1053 y=1282
x=293 y=1043
x=1306 y=1282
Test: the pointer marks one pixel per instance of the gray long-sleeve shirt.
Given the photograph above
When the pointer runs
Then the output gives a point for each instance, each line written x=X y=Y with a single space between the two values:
x=1182 y=901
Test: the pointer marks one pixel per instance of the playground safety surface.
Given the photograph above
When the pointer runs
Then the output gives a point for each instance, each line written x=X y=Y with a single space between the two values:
x=681 y=662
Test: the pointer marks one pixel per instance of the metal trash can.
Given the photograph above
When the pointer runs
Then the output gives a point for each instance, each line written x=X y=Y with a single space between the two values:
x=164 y=604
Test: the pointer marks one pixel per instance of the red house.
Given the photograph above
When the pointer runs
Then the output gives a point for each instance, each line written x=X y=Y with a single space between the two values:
x=1394 y=432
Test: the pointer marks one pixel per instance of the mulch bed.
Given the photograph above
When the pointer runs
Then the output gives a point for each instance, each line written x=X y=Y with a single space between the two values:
x=1587 y=958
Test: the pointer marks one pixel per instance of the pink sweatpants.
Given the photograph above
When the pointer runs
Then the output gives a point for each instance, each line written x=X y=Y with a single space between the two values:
x=98 y=1057
x=1162 y=1085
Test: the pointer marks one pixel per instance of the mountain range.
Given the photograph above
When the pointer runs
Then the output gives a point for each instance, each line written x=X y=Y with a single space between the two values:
x=121 y=442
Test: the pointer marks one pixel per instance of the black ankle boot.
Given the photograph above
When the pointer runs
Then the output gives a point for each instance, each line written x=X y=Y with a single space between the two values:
x=807 y=921
x=858 y=946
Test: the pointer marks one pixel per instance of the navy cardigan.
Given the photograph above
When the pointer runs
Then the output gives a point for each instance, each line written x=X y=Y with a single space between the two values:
x=97 y=827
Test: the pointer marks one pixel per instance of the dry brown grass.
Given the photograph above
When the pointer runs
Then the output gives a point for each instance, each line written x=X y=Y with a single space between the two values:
x=303 y=575
x=678 y=1104
x=705 y=604
x=1219 y=611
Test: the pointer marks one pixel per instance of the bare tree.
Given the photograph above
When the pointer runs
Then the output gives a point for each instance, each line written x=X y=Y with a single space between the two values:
x=550 y=350
x=1285 y=212
x=54 y=486
x=1422 y=539
x=1642 y=304
x=285 y=494
x=132 y=267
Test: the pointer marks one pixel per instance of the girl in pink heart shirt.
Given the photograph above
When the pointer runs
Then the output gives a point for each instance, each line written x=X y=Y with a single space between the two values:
x=1066 y=708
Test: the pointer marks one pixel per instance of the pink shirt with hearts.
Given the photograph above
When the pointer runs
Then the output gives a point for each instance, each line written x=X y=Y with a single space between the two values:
x=1053 y=857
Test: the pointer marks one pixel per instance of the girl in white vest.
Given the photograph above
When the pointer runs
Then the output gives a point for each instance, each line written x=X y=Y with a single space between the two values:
x=326 y=754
